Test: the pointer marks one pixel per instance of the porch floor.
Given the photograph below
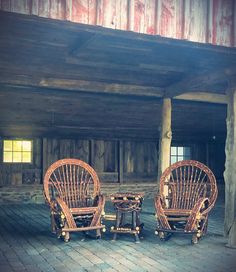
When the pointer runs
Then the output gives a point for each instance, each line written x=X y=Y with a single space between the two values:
x=26 y=244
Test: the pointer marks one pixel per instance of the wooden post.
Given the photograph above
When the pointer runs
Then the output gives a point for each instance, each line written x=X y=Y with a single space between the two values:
x=165 y=137
x=230 y=170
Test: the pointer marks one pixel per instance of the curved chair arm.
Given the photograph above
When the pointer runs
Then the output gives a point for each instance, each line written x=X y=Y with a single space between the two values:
x=160 y=213
x=196 y=214
x=97 y=216
x=66 y=211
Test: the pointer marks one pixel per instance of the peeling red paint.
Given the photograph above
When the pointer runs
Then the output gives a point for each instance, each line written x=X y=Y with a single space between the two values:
x=170 y=18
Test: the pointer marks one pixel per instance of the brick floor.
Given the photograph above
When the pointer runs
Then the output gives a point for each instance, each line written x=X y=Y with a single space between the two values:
x=26 y=244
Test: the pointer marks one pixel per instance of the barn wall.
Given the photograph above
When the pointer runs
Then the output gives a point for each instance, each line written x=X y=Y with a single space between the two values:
x=138 y=158
x=17 y=173
x=206 y=21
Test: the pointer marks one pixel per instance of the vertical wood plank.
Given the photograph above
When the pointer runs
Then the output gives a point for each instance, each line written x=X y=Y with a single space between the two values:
x=139 y=157
x=37 y=148
x=44 y=8
x=120 y=162
x=45 y=157
x=22 y=6
x=64 y=148
x=109 y=156
x=121 y=14
x=98 y=155
x=80 y=11
x=5 y=5
x=81 y=150
x=58 y=9
x=35 y=7
x=221 y=26
x=107 y=14
x=128 y=157
x=170 y=17
x=92 y=12
x=195 y=25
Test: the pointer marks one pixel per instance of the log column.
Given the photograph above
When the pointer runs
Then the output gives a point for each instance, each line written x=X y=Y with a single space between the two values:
x=230 y=170
x=165 y=137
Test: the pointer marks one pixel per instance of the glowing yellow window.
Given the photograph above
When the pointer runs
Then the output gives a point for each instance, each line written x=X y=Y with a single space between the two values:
x=17 y=151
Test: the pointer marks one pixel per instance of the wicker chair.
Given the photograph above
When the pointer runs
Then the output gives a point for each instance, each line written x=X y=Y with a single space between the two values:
x=188 y=192
x=72 y=190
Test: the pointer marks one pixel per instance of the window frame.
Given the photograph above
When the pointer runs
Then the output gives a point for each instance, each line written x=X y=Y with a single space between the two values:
x=21 y=151
x=177 y=156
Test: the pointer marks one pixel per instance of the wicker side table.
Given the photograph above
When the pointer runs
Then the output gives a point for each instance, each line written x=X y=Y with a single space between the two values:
x=128 y=207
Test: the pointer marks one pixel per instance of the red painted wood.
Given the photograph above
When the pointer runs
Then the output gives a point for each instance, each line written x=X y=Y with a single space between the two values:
x=212 y=21
x=222 y=22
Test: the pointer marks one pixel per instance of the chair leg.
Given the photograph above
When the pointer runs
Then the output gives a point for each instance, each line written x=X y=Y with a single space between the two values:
x=53 y=223
x=194 y=239
x=118 y=221
x=98 y=234
x=134 y=223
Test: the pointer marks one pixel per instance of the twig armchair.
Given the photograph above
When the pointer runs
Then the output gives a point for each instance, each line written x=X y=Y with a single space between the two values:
x=72 y=190
x=188 y=192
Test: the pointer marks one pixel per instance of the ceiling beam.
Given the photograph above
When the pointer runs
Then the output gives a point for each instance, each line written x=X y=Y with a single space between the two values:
x=196 y=83
x=101 y=87
x=203 y=97
x=82 y=86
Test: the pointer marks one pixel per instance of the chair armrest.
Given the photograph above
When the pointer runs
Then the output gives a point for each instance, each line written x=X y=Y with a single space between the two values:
x=100 y=209
x=196 y=213
x=66 y=211
x=160 y=213
x=160 y=201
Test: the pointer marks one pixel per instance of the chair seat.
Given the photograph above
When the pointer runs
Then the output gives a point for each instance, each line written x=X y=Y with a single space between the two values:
x=177 y=212
x=83 y=210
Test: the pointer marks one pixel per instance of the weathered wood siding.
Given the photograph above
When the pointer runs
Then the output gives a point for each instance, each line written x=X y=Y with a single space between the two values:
x=207 y=21
x=22 y=173
x=115 y=161
x=138 y=160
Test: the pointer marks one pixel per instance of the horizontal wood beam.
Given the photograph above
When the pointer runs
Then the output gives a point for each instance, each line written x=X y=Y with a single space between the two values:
x=203 y=97
x=198 y=83
x=101 y=87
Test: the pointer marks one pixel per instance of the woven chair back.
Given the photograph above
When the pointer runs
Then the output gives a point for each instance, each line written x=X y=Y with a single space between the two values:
x=185 y=182
x=72 y=180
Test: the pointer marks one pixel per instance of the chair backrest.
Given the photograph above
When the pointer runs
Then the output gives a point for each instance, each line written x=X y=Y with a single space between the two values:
x=72 y=180
x=184 y=182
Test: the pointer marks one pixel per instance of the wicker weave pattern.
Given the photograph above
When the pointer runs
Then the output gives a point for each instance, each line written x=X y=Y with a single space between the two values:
x=188 y=191
x=72 y=189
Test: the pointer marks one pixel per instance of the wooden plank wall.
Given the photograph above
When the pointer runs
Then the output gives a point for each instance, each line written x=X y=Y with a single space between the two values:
x=207 y=21
x=17 y=173
x=138 y=160
x=115 y=161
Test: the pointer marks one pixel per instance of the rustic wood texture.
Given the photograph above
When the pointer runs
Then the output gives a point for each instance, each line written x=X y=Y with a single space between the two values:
x=194 y=20
x=72 y=191
x=188 y=192
x=165 y=137
x=126 y=205
x=116 y=91
x=22 y=173
x=230 y=171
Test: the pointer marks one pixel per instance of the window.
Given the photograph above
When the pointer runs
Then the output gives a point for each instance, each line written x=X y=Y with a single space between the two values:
x=19 y=151
x=179 y=153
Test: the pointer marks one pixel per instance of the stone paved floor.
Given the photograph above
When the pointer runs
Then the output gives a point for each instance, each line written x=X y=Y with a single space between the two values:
x=26 y=244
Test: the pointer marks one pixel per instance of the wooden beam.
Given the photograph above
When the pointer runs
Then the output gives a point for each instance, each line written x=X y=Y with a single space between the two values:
x=204 y=97
x=230 y=171
x=101 y=87
x=197 y=83
x=165 y=137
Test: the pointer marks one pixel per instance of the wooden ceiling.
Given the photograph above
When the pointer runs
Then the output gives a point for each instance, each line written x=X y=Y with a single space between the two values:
x=60 y=79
